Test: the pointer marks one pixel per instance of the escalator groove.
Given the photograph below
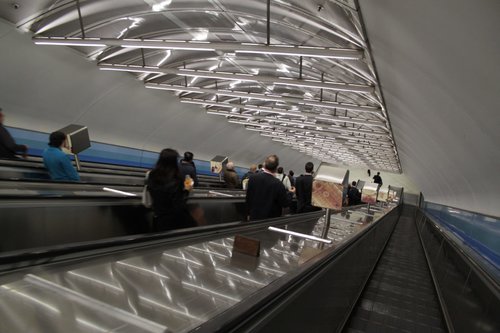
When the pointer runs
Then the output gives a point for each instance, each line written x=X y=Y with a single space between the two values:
x=400 y=295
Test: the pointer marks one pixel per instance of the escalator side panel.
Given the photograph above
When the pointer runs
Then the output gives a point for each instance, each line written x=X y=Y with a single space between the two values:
x=325 y=300
x=38 y=223
x=472 y=303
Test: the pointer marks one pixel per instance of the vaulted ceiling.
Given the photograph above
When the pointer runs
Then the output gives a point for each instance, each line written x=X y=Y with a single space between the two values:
x=298 y=72
x=401 y=86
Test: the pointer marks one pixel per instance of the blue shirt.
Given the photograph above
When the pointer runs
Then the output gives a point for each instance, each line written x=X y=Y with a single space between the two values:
x=59 y=164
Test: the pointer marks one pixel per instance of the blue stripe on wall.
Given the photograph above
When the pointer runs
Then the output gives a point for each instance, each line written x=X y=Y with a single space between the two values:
x=104 y=153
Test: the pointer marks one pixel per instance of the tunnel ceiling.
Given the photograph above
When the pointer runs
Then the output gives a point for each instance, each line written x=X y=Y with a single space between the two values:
x=298 y=72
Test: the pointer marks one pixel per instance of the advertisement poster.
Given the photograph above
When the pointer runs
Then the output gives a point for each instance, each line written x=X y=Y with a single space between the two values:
x=369 y=193
x=392 y=196
x=382 y=195
x=215 y=167
x=329 y=186
x=326 y=194
x=217 y=164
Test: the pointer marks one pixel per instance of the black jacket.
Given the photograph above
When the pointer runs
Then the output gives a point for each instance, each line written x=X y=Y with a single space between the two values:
x=354 y=196
x=169 y=205
x=303 y=191
x=266 y=196
x=188 y=168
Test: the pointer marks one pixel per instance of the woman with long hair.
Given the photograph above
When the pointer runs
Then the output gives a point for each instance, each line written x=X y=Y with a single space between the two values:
x=169 y=193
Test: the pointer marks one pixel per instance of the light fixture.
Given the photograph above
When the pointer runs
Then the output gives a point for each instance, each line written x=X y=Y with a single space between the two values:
x=268 y=97
x=119 y=192
x=252 y=78
x=296 y=51
x=301 y=235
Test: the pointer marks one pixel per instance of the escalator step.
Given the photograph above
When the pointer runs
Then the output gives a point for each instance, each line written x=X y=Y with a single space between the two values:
x=400 y=296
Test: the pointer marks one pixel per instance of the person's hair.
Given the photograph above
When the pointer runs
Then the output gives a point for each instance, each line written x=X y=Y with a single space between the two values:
x=167 y=167
x=291 y=173
x=272 y=162
x=260 y=166
x=56 y=139
x=309 y=167
x=378 y=173
x=188 y=156
x=230 y=166
x=353 y=183
x=253 y=168
x=280 y=169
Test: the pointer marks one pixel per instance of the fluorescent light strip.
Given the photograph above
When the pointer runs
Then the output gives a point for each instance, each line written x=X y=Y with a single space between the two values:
x=325 y=85
x=119 y=192
x=221 y=194
x=186 y=48
x=71 y=44
x=309 y=115
x=253 y=78
x=297 y=144
x=298 y=234
x=266 y=97
x=298 y=51
x=304 y=114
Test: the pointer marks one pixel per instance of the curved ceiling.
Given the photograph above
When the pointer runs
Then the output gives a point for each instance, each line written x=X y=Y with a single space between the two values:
x=295 y=71
x=318 y=78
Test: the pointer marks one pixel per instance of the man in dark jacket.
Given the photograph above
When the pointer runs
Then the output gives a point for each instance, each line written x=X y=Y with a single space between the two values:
x=354 y=195
x=187 y=167
x=303 y=190
x=8 y=147
x=377 y=179
x=266 y=195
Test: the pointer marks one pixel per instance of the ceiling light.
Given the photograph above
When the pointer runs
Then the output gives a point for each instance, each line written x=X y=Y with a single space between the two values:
x=299 y=51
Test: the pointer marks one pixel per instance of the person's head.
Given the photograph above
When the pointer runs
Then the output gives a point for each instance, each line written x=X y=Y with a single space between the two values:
x=253 y=168
x=1 y=116
x=271 y=163
x=166 y=167
x=168 y=159
x=354 y=183
x=188 y=156
x=56 y=139
x=309 y=167
x=378 y=173
x=280 y=169
x=230 y=166
x=291 y=173
x=260 y=166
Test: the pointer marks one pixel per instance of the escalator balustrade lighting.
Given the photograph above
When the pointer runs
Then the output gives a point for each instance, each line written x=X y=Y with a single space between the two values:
x=298 y=234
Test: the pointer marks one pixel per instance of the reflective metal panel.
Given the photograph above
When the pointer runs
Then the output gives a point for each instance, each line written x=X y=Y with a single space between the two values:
x=162 y=288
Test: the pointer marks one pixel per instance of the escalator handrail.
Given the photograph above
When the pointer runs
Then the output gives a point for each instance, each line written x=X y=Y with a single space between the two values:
x=35 y=256
x=259 y=303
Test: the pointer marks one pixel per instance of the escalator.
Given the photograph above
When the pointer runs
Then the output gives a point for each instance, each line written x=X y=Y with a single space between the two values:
x=180 y=282
x=194 y=281
x=400 y=295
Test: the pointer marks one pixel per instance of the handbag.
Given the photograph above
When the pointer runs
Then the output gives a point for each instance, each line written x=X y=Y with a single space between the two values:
x=147 y=200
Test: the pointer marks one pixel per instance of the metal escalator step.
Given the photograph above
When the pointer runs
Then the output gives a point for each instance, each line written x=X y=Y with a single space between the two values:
x=400 y=296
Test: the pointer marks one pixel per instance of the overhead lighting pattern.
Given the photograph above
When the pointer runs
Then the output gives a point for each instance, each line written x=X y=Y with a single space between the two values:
x=321 y=100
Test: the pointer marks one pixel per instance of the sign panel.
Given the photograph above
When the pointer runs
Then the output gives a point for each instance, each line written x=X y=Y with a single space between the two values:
x=77 y=138
x=328 y=187
x=383 y=194
x=369 y=193
x=218 y=163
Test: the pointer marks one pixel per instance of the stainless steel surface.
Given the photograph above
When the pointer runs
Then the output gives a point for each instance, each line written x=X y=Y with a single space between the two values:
x=162 y=288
